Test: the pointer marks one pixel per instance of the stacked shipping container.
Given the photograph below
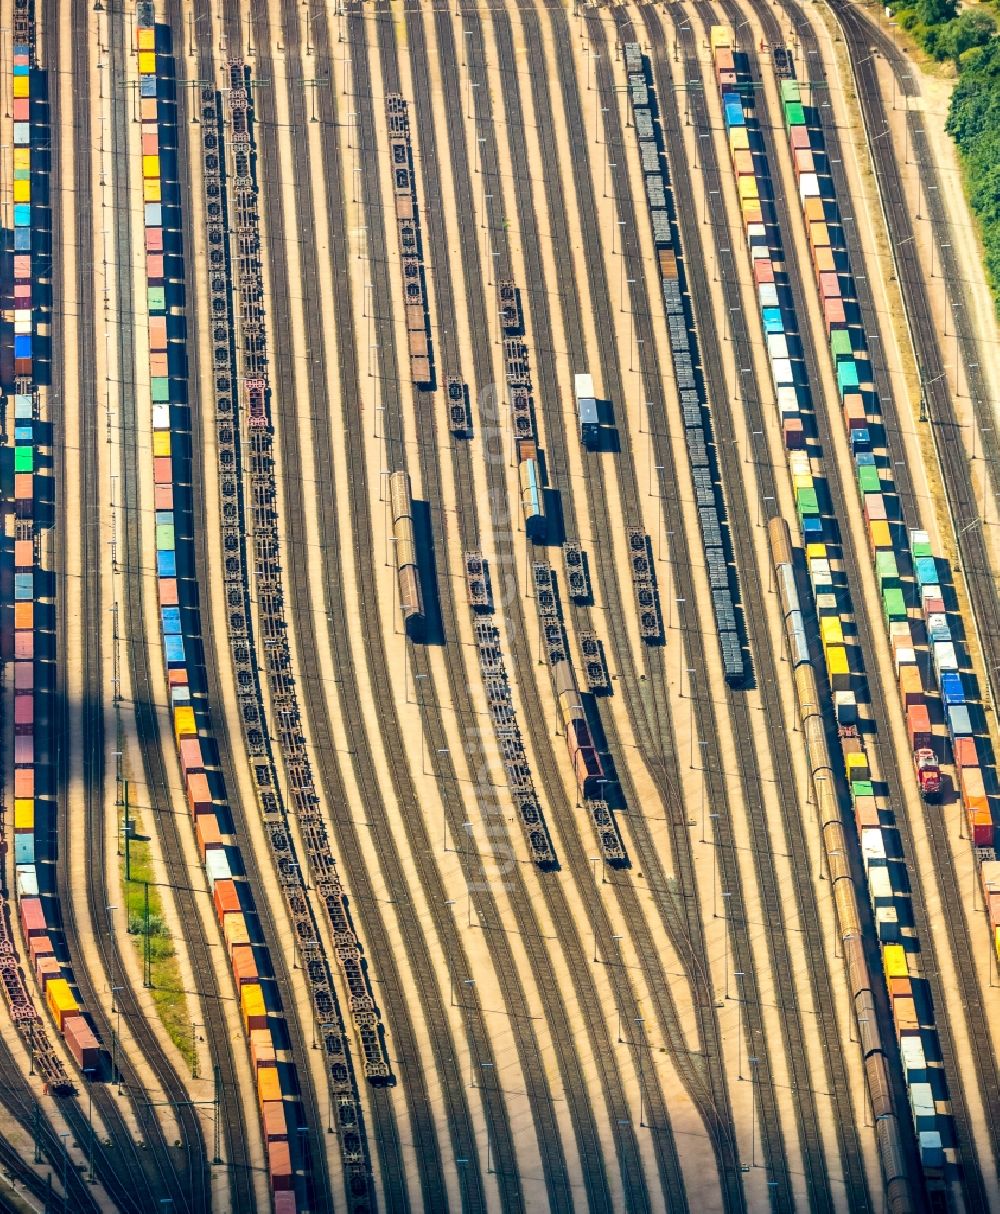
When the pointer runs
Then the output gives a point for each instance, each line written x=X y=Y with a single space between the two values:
x=881 y=853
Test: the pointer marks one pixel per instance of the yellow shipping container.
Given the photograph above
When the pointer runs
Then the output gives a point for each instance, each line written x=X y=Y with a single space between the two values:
x=819 y=236
x=252 y=1006
x=22 y=158
x=161 y=443
x=147 y=40
x=236 y=931
x=894 y=961
x=837 y=668
x=22 y=86
x=151 y=166
x=831 y=630
x=815 y=552
x=747 y=187
x=147 y=63
x=802 y=480
x=719 y=35
x=152 y=191
x=856 y=766
x=24 y=813
x=268 y=1084
x=879 y=534
x=60 y=1000
x=184 y=723
x=22 y=191
x=739 y=139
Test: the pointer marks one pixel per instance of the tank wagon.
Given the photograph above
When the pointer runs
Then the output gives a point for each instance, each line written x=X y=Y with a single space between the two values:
x=845 y=900
x=411 y=599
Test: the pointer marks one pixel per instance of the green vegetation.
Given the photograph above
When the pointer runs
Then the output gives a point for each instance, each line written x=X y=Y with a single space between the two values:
x=164 y=974
x=968 y=39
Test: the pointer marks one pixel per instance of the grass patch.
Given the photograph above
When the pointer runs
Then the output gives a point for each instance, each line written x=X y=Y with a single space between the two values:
x=164 y=974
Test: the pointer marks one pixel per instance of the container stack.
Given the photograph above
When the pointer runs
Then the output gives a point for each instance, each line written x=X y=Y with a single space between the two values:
x=881 y=849
x=687 y=373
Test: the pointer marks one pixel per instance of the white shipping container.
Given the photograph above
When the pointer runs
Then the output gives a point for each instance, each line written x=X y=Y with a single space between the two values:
x=756 y=231
x=914 y=1060
x=27 y=881
x=768 y=295
x=161 y=417
x=217 y=867
x=887 y=925
x=808 y=186
x=781 y=370
x=919 y=537
x=944 y=656
x=799 y=464
x=904 y=657
x=826 y=604
x=929 y=592
x=759 y=252
x=777 y=345
x=819 y=565
x=880 y=888
x=22 y=327
x=872 y=844
x=788 y=399
x=584 y=385
x=846 y=706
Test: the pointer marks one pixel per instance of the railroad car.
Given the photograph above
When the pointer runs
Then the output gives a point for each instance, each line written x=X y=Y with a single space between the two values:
x=511 y=318
x=458 y=407
x=584 y=755
x=532 y=501
x=407 y=567
x=577 y=576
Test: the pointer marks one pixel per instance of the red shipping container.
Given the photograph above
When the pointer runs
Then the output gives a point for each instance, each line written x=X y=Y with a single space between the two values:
x=24 y=710
x=244 y=965
x=33 y=917
x=993 y=908
x=159 y=363
x=934 y=607
x=918 y=726
x=206 y=830
x=22 y=267
x=855 y=417
x=763 y=270
x=150 y=143
x=168 y=591
x=284 y=1203
x=154 y=267
x=24 y=782
x=800 y=137
x=47 y=968
x=22 y=109
x=163 y=470
x=24 y=749
x=22 y=366
x=226 y=899
x=981 y=828
x=158 y=331
x=874 y=507
x=834 y=315
x=83 y=1045
x=191 y=756
x=794 y=434
x=965 y=752
x=24 y=644
x=22 y=294
x=24 y=676
x=273 y=1117
x=279 y=1165
x=199 y=795
x=154 y=240
x=829 y=286
x=40 y=946
x=24 y=486
x=163 y=497
x=177 y=678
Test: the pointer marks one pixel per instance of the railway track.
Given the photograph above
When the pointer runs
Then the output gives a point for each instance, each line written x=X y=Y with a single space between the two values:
x=888 y=760
x=158 y=783
x=155 y=1170
x=957 y=482
x=817 y=1179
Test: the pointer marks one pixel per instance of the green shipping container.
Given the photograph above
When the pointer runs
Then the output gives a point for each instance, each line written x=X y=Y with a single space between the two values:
x=806 y=502
x=840 y=344
x=155 y=299
x=885 y=569
x=160 y=389
x=790 y=90
x=862 y=788
x=794 y=114
x=893 y=604
x=868 y=479
x=847 y=376
x=24 y=459
x=921 y=548
x=164 y=538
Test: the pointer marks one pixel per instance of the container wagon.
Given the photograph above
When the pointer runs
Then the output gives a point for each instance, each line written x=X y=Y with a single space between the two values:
x=586 y=760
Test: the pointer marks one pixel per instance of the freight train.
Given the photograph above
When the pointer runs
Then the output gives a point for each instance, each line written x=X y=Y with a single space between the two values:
x=411 y=599
x=841 y=883
x=586 y=760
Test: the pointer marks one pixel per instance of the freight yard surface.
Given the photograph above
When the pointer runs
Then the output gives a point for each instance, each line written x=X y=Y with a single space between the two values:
x=499 y=623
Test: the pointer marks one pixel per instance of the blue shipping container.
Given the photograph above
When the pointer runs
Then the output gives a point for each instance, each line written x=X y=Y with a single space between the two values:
x=952 y=691
x=24 y=848
x=772 y=320
x=959 y=722
x=24 y=586
x=925 y=567
x=171 y=618
x=22 y=214
x=22 y=345
x=22 y=240
x=173 y=648
x=861 y=440
x=147 y=86
x=166 y=564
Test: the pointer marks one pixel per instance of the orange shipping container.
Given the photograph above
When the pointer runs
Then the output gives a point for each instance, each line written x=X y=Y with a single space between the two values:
x=900 y=988
x=244 y=964
x=157 y=332
x=273 y=1116
x=819 y=235
x=168 y=593
x=965 y=752
x=813 y=210
x=970 y=780
x=158 y=362
x=268 y=1084
x=261 y=1048
x=24 y=781
x=206 y=829
x=879 y=535
x=226 y=898
x=24 y=554
x=163 y=470
x=743 y=164
x=199 y=795
x=910 y=687
x=163 y=497
x=147 y=109
x=279 y=1165
x=177 y=678
x=904 y=1013
x=24 y=615
x=824 y=261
